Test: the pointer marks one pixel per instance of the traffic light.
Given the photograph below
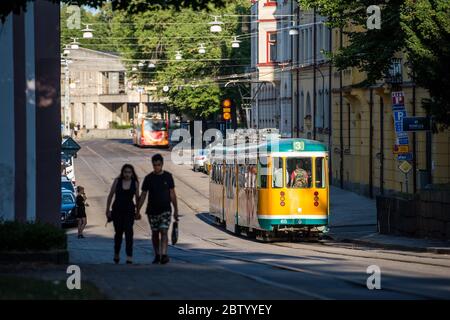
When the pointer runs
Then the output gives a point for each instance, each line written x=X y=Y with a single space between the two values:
x=227 y=105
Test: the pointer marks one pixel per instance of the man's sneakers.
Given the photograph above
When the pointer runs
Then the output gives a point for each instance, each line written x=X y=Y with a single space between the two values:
x=161 y=259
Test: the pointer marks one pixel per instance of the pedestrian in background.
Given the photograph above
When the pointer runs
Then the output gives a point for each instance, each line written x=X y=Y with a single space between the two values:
x=123 y=213
x=160 y=187
x=81 y=211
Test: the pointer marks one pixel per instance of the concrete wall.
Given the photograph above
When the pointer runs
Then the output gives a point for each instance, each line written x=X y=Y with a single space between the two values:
x=92 y=134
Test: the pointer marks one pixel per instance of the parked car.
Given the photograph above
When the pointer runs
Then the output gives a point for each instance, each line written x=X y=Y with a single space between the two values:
x=68 y=217
x=199 y=160
x=67 y=184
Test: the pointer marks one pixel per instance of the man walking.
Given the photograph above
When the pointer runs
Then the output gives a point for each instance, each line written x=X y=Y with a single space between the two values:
x=160 y=187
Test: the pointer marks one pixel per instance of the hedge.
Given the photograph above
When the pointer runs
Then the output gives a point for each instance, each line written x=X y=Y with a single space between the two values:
x=19 y=236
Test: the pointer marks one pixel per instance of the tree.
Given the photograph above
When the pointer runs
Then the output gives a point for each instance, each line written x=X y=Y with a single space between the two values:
x=426 y=24
x=419 y=28
x=155 y=37
x=99 y=23
x=17 y=6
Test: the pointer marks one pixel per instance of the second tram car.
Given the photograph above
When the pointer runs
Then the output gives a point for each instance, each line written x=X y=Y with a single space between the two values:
x=271 y=190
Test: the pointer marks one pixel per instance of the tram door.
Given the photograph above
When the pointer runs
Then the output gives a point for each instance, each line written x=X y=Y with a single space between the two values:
x=230 y=197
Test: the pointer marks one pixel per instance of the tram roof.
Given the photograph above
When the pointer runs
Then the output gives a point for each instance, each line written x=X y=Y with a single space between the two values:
x=281 y=145
x=293 y=145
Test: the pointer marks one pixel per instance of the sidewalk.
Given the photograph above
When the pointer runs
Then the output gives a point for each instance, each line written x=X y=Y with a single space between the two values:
x=353 y=218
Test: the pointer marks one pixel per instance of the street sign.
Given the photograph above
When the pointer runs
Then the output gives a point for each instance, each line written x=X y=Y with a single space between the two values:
x=401 y=148
x=416 y=124
x=399 y=113
x=405 y=167
x=405 y=156
x=398 y=98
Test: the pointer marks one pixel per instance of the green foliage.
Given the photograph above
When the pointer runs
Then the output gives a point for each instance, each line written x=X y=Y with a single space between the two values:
x=131 y=6
x=426 y=24
x=420 y=28
x=18 y=236
x=100 y=24
x=116 y=125
x=193 y=81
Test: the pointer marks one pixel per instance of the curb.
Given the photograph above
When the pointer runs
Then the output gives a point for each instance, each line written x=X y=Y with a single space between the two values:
x=54 y=256
x=437 y=250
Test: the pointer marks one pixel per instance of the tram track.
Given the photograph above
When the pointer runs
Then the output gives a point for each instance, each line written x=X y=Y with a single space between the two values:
x=312 y=247
x=280 y=266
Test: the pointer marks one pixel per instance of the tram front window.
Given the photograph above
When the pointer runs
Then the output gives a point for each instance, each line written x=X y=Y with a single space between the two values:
x=300 y=172
x=277 y=173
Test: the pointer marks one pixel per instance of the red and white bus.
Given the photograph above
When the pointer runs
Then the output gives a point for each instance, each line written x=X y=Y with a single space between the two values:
x=151 y=129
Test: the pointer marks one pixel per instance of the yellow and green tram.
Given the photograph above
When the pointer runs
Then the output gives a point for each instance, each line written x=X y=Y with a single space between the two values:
x=272 y=189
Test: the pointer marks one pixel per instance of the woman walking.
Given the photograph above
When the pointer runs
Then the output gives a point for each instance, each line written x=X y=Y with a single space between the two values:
x=123 y=212
x=81 y=211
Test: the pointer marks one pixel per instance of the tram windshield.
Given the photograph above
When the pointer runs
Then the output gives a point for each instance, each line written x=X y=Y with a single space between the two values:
x=299 y=171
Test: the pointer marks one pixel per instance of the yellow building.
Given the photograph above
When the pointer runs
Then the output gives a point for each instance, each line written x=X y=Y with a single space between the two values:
x=363 y=160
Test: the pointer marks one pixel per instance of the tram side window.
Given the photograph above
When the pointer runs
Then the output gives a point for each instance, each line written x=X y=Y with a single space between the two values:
x=300 y=172
x=320 y=173
x=262 y=172
x=242 y=176
x=277 y=173
x=220 y=173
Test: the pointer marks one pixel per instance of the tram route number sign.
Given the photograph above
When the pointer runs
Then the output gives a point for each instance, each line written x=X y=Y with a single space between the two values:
x=405 y=167
x=299 y=145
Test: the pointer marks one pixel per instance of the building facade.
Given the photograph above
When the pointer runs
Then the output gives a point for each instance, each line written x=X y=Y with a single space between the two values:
x=100 y=94
x=364 y=158
x=297 y=90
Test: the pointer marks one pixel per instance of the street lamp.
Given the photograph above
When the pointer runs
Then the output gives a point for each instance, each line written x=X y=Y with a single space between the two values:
x=293 y=31
x=87 y=32
x=66 y=50
x=215 y=25
x=235 y=43
x=75 y=45
x=201 y=49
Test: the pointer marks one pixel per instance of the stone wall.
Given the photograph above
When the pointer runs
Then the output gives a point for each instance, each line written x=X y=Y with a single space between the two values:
x=92 y=134
x=425 y=216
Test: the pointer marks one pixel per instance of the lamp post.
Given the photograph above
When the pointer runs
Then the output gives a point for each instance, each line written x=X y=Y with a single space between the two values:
x=66 y=97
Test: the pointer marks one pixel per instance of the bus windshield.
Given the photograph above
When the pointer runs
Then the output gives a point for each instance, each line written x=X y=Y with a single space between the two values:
x=155 y=125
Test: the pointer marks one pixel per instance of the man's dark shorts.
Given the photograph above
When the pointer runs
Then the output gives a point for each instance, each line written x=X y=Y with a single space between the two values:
x=160 y=221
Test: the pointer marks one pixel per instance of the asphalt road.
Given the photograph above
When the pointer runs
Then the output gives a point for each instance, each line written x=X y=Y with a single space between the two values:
x=236 y=266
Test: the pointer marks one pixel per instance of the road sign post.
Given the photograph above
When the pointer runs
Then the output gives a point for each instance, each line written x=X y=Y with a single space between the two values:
x=405 y=167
